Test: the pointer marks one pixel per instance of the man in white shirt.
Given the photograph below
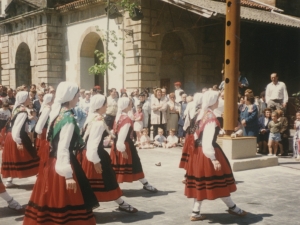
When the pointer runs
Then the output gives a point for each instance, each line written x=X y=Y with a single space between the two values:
x=112 y=108
x=276 y=93
x=177 y=91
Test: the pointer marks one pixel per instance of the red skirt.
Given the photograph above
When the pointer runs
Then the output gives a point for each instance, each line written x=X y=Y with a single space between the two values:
x=186 y=150
x=51 y=203
x=39 y=141
x=127 y=170
x=17 y=163
x=203 y=182
x=104 y=185
x=43 y=153
x=2 y=187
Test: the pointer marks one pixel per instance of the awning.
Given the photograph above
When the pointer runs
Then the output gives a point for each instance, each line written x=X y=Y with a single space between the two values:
x=249 y=14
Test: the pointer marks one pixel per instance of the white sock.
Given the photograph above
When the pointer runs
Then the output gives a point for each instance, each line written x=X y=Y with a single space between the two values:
x=6 y=196
x=119 y=201
x=9 y=179
x=230 y=204
x=143 y=181
x=196 y=208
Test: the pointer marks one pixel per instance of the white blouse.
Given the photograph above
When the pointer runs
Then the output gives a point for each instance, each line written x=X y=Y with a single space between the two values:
x=20 y=120
x=42 y=120
x=63 y=165
x=207 y=138
x=122 y=136
x=95 y=136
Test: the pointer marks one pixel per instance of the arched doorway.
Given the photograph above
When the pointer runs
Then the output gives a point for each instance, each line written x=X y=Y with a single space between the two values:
x=172 y=64
x=91 y=42
x=22 y=66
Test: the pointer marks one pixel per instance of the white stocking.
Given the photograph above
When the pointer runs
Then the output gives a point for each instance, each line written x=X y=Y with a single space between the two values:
x=6 y=196
x=230 y=204
x=196 y=208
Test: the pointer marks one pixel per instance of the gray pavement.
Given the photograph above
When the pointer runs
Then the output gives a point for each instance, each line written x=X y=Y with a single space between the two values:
x=270 y=195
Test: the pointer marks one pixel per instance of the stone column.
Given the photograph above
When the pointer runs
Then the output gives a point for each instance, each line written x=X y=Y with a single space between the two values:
x=6 y=79
x=50 y=53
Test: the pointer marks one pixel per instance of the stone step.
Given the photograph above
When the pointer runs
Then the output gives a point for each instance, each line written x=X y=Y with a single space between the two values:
x=253 y=163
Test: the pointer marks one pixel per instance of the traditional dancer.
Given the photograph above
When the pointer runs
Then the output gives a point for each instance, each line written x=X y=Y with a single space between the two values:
x=41 y=130
x=209 y=175
x=12 y=204
x=63 y=194
x=189 y=126
x=124 y=156
x=19 y=157
x=96 y=162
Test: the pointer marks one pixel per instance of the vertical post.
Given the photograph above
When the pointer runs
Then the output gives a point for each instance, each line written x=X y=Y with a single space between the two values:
x=107 y=42
x=138 y=61
x=232 y=54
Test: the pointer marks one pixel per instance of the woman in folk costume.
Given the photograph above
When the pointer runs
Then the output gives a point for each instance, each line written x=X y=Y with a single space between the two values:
x=19 y=157
x=125 y=160
x=96 y=162
x=209 y=175
x=41 y=129
x=189 y=127
x=63 y=194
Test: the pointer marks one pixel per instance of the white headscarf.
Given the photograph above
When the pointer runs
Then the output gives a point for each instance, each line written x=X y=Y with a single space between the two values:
x=209 y=98
x=65 y=92
x=20 y=98
x=46 y=100
x=96 y=102
x=197 y=101
x=123 y=103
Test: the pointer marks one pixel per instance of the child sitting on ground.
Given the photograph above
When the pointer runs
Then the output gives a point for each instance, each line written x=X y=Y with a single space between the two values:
x=145 y=140
x=172 y=140
x=274 y=137
x=160 y=139
x=296 y=138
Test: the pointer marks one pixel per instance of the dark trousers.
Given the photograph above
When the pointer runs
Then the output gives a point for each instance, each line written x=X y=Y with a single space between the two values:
x=155 y=129
x=285 y=142
x=109 y=120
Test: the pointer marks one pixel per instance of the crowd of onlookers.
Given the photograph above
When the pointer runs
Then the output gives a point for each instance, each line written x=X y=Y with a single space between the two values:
x=165 y=113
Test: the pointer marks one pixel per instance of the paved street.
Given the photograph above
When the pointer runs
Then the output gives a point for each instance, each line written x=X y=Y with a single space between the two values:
x=270 y=195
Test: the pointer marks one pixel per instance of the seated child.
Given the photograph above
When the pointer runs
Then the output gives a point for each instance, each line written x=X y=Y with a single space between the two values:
x=172 y=140
x=160 y=139
x=145 y=140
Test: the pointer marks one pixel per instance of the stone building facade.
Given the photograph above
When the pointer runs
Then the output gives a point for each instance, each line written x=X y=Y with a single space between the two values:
x=51 y=41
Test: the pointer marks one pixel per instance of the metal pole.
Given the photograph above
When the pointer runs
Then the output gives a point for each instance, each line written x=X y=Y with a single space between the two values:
x=107 y=38
x=232 y=54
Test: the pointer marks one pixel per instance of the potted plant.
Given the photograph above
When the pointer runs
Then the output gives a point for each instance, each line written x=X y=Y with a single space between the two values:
x=135 y=10
x=113 y=11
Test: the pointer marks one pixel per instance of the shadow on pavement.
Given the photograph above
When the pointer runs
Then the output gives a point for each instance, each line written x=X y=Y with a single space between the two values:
x=117 y=216
x=225 y=218
x=239 y=182
x=6 y=212
x=27 y=187
x=289 y=163
x=129 y=193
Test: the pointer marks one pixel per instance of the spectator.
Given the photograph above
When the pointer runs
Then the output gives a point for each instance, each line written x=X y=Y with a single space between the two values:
x=243 y=83
x=158 y=112
x=204 y=90
x=183 y=104
x=5 y=114
x=38 y=102
x=264 y=131
x=145 y=140
x=112 y=108
x=173 y=112
x=124 y=94
x=296 y=138
x=164 y=96
x=178 y=89
x=82 y=96
x=262 y=104
x=172 y=140
x=220 y=109
x=10 y=97
x=274 y=137
x=276 y=93
x=32 y=95
x=249 y=118
x=138 y=123
x=160 y=140
x=84 y=105
x=146 y=108
x=4 y=92
x=284 y=132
